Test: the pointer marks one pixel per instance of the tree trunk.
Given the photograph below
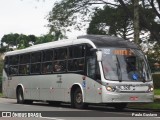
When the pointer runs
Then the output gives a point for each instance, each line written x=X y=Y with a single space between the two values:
x=136 y=21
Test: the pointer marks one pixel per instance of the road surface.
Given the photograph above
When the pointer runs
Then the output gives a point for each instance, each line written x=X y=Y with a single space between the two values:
x=43 y=111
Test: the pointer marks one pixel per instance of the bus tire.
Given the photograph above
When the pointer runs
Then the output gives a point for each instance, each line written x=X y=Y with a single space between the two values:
x=78 y=99
x=20 y=97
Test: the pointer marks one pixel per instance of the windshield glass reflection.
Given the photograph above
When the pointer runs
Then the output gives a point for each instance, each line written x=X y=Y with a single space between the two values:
x=125 y=65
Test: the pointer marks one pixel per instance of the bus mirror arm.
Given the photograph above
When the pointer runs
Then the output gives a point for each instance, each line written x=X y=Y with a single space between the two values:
x=99 y=56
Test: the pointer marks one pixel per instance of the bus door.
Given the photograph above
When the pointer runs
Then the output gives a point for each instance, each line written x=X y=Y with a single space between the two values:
x=92 y=81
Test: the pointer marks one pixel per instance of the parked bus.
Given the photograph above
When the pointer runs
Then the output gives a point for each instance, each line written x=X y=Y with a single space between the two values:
x=92 y=69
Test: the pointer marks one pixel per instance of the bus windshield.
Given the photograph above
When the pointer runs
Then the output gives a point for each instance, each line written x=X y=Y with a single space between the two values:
x=124 y=64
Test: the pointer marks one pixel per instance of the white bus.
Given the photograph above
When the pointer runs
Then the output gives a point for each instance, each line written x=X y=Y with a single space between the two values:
x=92 y=69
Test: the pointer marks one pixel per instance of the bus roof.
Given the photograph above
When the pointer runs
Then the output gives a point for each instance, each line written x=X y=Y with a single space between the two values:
x=97 y=41
x=109 y=41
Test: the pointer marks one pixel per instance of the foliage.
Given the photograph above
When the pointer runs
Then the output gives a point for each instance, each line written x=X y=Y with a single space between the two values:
x=147 y=106
x=120 y=24
x=153 y=56
x=12 y=41
x=116 y=18
x=156 y=81
x=157 y=91
x=44 y=39
x=66 y=13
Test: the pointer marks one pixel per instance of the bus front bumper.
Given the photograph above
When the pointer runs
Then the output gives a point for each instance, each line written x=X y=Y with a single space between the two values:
x=112 y=97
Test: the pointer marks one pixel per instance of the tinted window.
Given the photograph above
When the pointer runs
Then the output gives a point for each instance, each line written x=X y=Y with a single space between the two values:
x=76 y=65
x=76 y=51
x=48 y=55
x=13 y=60
x=35 y=68
x=60 y=54
x=89 y=53
x=36 y=57
x=25 y=58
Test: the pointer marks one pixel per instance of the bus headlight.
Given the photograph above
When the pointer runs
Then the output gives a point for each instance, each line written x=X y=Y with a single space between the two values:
x=110 y=88
x=151 y=88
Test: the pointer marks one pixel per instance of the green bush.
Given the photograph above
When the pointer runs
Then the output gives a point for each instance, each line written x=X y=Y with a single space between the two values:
x=0 y=84
x=156 y=81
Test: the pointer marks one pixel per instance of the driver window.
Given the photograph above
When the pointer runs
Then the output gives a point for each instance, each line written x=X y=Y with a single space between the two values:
x=93 y=69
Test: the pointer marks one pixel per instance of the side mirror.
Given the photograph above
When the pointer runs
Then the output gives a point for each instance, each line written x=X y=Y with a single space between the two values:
x=99 y=56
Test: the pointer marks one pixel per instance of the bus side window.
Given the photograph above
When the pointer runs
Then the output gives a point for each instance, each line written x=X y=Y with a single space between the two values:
x=24 y=64
x=76 y=61
x=47 y=66
x=92 y=69
x=60 y=60
x=36 y=63
x=13 y=65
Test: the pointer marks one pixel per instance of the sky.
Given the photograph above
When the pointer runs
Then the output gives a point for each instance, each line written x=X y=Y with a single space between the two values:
x=26 y=17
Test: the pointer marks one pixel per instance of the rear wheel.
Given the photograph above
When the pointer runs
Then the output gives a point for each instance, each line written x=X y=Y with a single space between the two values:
x=20 y=97
x=78 y=99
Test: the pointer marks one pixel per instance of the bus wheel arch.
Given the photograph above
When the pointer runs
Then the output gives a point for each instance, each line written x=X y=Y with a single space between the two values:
x=19 y=94
x=77 y=97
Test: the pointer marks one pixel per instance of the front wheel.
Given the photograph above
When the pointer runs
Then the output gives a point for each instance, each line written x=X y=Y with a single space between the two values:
x=78 y=99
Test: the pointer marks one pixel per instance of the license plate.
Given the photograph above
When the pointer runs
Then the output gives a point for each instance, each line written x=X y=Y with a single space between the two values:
x=124 y=88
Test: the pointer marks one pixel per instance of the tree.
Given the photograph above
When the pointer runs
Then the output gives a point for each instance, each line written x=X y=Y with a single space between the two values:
x=44 y=39
x=115 y=18
x=119 y=22
x=10 y=40
x=154 y=56
x=21 y=41
x=67 y=12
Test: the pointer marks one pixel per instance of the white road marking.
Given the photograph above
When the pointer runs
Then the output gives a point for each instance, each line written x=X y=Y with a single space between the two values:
x=51 y=118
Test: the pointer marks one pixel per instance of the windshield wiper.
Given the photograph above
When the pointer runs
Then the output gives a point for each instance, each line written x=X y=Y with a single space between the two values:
x=118 y=70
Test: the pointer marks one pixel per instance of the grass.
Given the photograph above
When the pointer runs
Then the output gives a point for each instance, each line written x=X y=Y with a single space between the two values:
x=1 y=95
x=155 y=105
x=157 y=91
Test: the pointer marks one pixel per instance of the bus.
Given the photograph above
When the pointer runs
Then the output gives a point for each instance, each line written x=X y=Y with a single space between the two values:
x=91 y=69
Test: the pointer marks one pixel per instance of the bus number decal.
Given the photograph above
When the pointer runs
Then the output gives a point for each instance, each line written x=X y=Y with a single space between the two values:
x=107 y=51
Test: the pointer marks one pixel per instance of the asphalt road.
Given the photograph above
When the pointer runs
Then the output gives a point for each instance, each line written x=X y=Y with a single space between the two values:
x=43 y=111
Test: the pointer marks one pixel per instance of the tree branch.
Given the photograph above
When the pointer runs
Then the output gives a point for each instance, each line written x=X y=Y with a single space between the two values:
x=158 y=1
x=153 y=7
x=144 y=21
